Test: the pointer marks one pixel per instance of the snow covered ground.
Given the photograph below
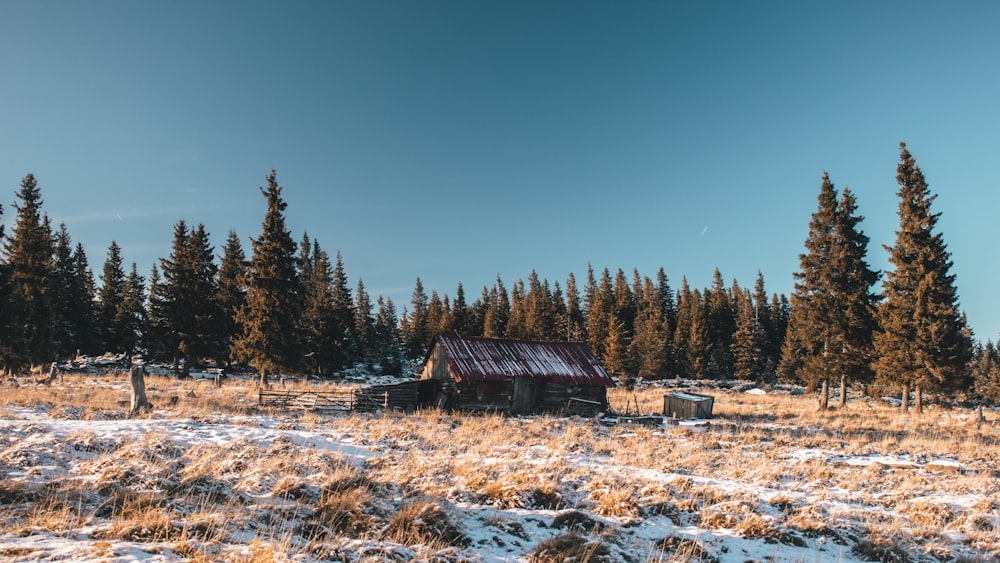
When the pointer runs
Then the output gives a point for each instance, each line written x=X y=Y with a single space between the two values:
x=204 y=482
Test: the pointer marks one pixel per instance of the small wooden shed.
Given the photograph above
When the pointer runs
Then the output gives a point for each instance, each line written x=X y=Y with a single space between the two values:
x=519 y=376
x=688 y=405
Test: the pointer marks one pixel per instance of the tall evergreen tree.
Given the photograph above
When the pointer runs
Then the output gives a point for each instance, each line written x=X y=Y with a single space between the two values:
x=721 y=325
x=498 y=311
x=576 y=323
x=649 y=346
x=272 y=308
x=460 y=314
x=109 y=298
x=416 y=332
x=83 y=315
x=830 y=329
x=344 y=332
x=388 y=340
x=922 y=341
x=232 y=291
x=190 y=320
x=668 y=306
x=600 y=309
x=364 y=323
x=64 y=338
x=321 y=340
x=749 y=360
x=28 y=250
x=131 y=314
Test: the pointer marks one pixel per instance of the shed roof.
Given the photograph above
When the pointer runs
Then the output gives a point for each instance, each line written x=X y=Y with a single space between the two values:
x=481 y=359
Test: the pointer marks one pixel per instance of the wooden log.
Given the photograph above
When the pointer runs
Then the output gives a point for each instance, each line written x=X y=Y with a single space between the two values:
x=137 y=382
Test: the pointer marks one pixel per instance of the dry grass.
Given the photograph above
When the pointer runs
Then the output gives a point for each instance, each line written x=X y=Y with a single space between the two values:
x=193 y=500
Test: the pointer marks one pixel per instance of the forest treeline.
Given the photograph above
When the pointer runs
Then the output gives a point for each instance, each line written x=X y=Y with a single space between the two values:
x=288 y=307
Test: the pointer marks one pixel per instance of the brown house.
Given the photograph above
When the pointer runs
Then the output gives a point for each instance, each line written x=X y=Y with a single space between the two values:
x=519 y=376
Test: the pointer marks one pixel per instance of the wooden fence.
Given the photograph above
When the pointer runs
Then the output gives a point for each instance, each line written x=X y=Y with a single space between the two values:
x=401 y=396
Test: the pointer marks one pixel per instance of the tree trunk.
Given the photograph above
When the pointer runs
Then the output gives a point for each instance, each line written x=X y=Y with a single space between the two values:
x=824 y=395
x=263 y=383
x=920 y=400
x=905 y=406
x=137 y=382
x=843 y=391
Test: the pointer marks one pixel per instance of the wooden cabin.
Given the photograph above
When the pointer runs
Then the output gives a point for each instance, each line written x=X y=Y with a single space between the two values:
x=517 y=376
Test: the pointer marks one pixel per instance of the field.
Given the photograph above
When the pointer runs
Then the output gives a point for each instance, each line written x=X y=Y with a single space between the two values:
x=206 y=476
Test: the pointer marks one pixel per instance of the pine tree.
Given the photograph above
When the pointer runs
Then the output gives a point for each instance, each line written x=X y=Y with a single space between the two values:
x=721 y=324
x=749 y=360
x=600 y=309
x=344 y=333
x=649 y=347
x=576 y=323
x=416 y=332
x=320 y=338
x=682 y=330
x=232 y=291
x=699 y=342
x=83 y=315
x=131 y=314
x=64 y=337
x=460 y=314
x=498 y=311
x=668 y=307
x=830 y=329
x=109 y=297
x=560 y=314
x=28 y=250
x=273 y=305
x=190 y=319
x=517 y=322
x=986 y=371
x=770 y=347
x=364 y=323
x=922 y=341
x=388 y=340
x=540 y=315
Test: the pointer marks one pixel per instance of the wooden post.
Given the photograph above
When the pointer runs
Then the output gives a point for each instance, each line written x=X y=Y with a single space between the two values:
x=137 y=382
x=843 y=391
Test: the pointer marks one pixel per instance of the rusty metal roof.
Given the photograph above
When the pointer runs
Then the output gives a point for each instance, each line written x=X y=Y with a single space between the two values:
x=478 y=359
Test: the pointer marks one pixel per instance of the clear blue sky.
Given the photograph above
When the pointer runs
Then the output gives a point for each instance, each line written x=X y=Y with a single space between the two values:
x=455 y=141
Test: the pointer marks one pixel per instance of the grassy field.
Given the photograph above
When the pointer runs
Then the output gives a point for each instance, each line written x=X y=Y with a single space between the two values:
x=206 y=476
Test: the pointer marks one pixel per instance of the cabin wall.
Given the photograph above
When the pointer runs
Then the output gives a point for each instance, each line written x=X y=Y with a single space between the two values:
x=485 y=395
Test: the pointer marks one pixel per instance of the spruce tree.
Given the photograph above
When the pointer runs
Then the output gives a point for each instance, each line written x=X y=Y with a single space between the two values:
x=922 y=341
x=830 y=329
x=649 y=347
x=131 y=314
x=517 y=322
x=721 y=324
x=668 y=307
x=273 y=301
x=497 y=312
x=28 y=250
x=388 y=341
x=748 y=347
x=232 y=291
x=344 y=332
x=460 y=314
x=364 y=323
x=320 y=342
x=64 y=337
x=600 y=309
x=109 y=298
x=682 y=329
x=82 y=313
x=191 y=319
x=416 y=332
x=576 y=323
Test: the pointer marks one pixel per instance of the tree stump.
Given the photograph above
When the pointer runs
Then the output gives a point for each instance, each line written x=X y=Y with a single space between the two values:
x=137 y=382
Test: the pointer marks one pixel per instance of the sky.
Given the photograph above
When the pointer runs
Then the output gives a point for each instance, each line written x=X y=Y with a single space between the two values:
x=458 y=141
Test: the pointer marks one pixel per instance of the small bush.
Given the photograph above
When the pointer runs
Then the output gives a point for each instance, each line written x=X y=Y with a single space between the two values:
x=569 y=546
x=424 y=521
